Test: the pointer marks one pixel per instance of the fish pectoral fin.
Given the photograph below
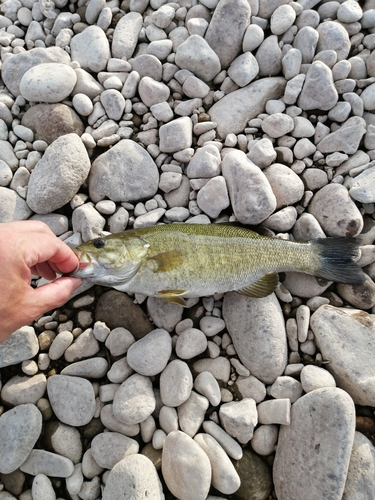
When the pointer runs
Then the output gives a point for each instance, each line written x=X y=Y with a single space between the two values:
x=174 y=296
x=262 y=287
x=165 y=261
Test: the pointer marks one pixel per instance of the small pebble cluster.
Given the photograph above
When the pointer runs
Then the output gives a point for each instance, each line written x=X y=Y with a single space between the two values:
x=118 y=115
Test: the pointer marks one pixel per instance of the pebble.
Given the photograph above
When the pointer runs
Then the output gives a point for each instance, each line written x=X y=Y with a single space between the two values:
x=42 y=488
x=213 y=197
x=45 y=462
x=164 y=314
x=286 y=186
x=264 y=439
x=244 y=69
x=324 y=449
x=84 y=346
x=327 y=97
x=351 y=371
x=314 y=377
x=219 y=367
x=113 y=424
x=134 y=400
x=235 y=109
x=206 y=384
x=191 y=413
x=256 y=479
x=88 y=368
x=274 y=411
x=196 y=55
x=108 y=448
x=205 y=163
x=19 y=389
x=20 y=346
x=65 y=162
x=190 y=343
x=149 y=355
x=346 y=138
x=91 y=49
x=230 y=445
x=72 y=399
x=250 y=387
x=361 y=462
x=224 y=476
x=176 y=383
x=58 y=82
x=20 y=428
x=250 y=193
x=286 y=388
x=176 y=135
x=363 y=187
x=186 y=467
x=118 y=174
x=258 y=333
x=239 y=419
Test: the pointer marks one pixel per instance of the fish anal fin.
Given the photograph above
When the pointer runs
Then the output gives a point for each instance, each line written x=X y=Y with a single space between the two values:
x=165 y=261
x=174 y=296
x=262 y=287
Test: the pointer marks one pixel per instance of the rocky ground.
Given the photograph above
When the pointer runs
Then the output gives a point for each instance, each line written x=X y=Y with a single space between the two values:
x=119 y=115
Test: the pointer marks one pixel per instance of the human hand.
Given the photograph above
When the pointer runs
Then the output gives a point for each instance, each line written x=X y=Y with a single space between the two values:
x=30 y=248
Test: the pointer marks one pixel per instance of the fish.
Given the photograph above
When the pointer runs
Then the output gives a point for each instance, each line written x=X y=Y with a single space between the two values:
x=179 y=261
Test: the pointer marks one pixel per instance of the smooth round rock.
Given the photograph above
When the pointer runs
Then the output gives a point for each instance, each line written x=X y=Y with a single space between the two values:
x=196 y=55
x=108 y=448
x=186 y=467
x=190 y=343
x=51 y=82
x=286 y=185
x=149 y=355
x=176 y=383
x=91 y=49
x=20 y=428
x=134 y=400
x=72 y=399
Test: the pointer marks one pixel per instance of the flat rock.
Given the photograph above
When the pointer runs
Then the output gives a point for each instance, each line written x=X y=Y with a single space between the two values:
x=72 y=399
x=50 y=464
x=119 y=174
x=134 y=400
x=50 y=121
x=91 y=49
x=235 y=109
x=20 y=346
x=149 y=355
x=16 y=66
x=346 y=138
x=186 y=467
x=318 y=441
x=49 y=82
x=58 y=176
x=230 y=16
x=196 y=55
x=133 y=477
x=176 y=135
x=363 y=187
x=108 y=448
x=323 y=97
x=20 y=428
x=345 y=337
x=336 y=212
x=249 y=190
x=257 y=329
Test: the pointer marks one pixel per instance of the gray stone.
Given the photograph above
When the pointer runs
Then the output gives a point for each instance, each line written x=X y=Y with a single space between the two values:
x=318 y=91
x=91 y=49
x=239 y=419
x=164 y=314
x=190 y=343
x=346 y=138
x=186 y=467
x=133 y=477
x=287 y=187
x=13 y=207
x=219 y=367
x=205 y=163
x=360 y=478
x=58 y=176
x=274 y=411
x=125 y=37
x=230 y=445
x=42 y=488
x=234 y=110
x=45 y=462
x=277 y=125
x=257 y=329
x=206 y=384
x=176 y=135
x=64 y=440
x=336 y=212
x=269 y=57
x=196 y=55
x=72 y=399
x=230 y=16
x=88 y=368
x=119 y=174
x=345 y=337
x=176 y=383
x=265 y=439
x=249 y=190
x=20 y=389
x=224 y=476
x=20 y=346
x=49 y=82
x=84 y=346
x=149 y=355
x=134 y=400
x=213 y=197
x=108 y=448
x=20 y=428
x=16 y=66
x=113 y=424
x=319 y=441
x=363 y=187
x=313 y=377
x=191 y=413
x=333 y=36
x=152 y=92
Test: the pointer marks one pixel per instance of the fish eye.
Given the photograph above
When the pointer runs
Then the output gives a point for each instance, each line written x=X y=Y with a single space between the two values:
x=99 y=243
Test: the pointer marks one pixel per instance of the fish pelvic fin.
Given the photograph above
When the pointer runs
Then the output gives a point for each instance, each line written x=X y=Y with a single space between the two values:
x=174 y=296
x=263 y=287
x=337 y=261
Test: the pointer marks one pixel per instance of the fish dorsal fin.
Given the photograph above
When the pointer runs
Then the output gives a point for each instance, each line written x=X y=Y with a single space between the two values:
x=262 y=287
x=165 y=261
x=174 y=296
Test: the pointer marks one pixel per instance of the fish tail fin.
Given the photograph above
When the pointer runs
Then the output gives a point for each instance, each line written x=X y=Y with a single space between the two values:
x=337 y=260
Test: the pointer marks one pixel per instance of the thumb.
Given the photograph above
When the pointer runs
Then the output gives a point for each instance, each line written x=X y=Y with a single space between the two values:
x=54 y=294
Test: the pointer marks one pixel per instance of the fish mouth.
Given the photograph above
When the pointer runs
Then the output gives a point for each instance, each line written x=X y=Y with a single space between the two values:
x=84 y=260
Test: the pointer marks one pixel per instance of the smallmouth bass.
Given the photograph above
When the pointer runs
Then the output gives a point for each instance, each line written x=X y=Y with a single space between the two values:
x=178 y=261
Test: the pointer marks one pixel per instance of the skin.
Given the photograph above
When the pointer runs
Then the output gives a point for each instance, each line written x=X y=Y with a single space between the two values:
x=30 y=248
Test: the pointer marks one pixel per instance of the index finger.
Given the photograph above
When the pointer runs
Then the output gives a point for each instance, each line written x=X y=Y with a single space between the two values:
x=49 y=248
